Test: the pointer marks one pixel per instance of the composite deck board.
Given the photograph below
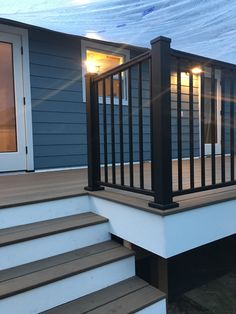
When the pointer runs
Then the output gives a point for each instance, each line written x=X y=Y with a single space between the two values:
x=130 y=303
x=44 y=228
x=102 y=297
x=35 y=187
x=28 y=268
x=46 y=273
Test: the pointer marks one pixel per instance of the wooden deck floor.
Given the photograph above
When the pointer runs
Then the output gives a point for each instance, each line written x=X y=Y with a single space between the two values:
x=185 y=173
x=39 y=186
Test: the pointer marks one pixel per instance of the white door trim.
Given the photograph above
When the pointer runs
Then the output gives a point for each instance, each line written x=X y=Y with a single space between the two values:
x=23 y=33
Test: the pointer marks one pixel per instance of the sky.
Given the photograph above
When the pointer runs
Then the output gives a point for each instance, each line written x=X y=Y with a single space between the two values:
x=205 y=27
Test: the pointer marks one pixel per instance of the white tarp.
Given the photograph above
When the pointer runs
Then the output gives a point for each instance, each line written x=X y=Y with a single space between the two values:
x=206 y=27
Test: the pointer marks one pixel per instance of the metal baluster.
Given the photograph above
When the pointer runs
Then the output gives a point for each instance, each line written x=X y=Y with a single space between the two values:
x=179 y=127
x=131 y=166
x=140 y=122
x=121 y=131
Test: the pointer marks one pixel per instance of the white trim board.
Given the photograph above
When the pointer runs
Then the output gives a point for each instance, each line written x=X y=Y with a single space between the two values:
x=30 y=213
x=170 y=235
x=165 y=236
x=158 y=307
x=23 y=33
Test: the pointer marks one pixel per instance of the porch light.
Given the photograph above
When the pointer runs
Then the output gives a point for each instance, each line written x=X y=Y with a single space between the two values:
x=196 y=70
x=91 y=66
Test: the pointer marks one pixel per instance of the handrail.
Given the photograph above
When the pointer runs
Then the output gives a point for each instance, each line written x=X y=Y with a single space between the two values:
x=123 y=66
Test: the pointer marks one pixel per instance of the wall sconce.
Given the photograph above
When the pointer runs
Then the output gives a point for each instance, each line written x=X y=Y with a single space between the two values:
x=92 y=67
x=196 y=70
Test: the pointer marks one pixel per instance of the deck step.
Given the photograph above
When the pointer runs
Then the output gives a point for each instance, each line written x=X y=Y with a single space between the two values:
x=32 y=275
x=128 y=296
x=51 y=237
x=31 y=231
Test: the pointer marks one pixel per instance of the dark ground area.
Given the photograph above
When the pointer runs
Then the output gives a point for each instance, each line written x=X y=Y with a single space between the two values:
x=204 y=280
x=215 y=297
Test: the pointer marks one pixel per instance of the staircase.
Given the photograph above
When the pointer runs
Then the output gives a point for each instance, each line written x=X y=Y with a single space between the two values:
x=67 y=263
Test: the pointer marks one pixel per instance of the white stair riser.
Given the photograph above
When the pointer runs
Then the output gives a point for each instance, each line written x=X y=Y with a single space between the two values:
x=156 y=308
x=62 y=291
x=25 y=214
x=32 y=250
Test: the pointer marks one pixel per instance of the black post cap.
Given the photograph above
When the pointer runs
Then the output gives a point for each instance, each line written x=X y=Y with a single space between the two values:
x=161 y=38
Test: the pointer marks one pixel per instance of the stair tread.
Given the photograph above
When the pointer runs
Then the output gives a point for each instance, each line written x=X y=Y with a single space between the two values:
x=43 y=228
x=127 y=296
x=35 y=274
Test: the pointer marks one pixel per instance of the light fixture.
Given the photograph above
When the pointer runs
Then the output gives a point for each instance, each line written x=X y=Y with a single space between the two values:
x=196 y=70
x=91 y=66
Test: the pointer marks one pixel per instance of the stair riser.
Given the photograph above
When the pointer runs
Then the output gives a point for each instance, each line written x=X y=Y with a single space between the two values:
x=158 y=307
x=25 y=214
x=32 y=250
x=62 y=291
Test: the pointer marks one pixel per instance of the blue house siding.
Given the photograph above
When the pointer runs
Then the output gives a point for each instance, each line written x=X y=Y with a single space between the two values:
x=59 y=115
x=58 y=111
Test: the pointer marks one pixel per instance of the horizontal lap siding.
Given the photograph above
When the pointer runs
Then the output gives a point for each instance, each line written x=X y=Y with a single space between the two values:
x=59 y=115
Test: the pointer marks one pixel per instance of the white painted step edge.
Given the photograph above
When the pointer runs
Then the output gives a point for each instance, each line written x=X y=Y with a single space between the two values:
x=62 y=291
x=156 y=308
x=26 y=214
x=28 y=251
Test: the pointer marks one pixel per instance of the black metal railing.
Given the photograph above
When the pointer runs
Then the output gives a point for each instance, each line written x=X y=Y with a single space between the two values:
x=160 y=128
x=121 y=99
x=210 y=99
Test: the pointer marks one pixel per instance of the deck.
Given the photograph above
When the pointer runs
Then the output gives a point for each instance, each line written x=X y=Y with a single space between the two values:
x=41 y=186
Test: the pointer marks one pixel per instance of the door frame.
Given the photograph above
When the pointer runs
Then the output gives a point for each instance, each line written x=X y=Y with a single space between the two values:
x=207 y=73
x=23 y=33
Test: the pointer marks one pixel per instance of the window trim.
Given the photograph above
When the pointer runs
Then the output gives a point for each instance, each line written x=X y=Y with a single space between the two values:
x=103 y=48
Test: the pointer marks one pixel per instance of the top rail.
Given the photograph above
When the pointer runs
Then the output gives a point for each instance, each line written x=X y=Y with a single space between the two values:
x=123 y=67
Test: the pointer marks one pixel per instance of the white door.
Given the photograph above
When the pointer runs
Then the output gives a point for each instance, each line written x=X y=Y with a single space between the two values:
x=208 y=127
x=12 y=119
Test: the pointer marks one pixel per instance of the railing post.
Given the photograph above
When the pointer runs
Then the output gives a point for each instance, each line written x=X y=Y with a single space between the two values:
x=161 y=124
x=92 y=134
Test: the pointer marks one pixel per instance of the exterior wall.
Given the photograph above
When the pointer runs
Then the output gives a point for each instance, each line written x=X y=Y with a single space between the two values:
x=59 y=113
x=59 y=118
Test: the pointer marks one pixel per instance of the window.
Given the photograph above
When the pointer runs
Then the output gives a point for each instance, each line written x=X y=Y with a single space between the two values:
x=99 y=62
x=99 y=58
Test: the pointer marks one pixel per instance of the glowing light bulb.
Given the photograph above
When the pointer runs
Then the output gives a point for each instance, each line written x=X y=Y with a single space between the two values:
x=196 y=70
x=91 y=66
